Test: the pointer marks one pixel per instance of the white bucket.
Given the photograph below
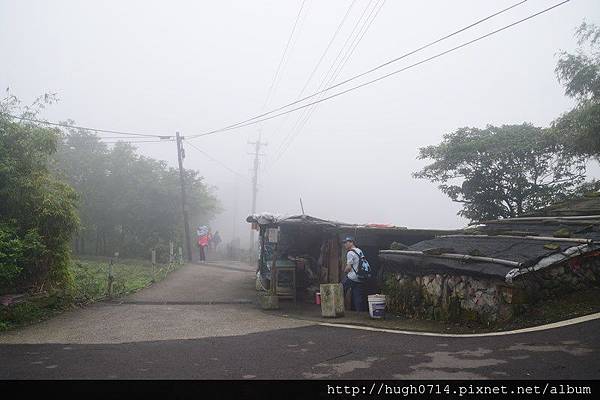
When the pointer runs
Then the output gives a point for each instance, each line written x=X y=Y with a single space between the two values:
x=377 y=305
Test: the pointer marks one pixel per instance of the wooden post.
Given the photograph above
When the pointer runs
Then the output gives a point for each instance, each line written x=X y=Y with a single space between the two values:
x=153 y=253
x=111 y=279
x=333 y=261
x=180 y=251
x=171 y=256
x=186 y=225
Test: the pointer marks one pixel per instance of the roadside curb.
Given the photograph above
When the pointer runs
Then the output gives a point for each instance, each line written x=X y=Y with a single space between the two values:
x=364 y=327
x=544 y=327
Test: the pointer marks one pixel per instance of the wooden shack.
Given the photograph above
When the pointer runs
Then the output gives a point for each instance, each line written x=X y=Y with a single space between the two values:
x=313 y=248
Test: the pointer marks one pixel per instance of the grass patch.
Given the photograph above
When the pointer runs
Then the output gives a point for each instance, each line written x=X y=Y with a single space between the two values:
x=567 y=306
x=36 y=308
x=90 y=284
x=572 y=305
x=91 y=277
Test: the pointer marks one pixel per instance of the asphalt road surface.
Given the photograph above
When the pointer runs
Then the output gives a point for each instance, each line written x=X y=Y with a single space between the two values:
x=199 y=323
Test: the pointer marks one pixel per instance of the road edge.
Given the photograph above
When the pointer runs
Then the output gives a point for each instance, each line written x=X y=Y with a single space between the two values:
x=553 y=325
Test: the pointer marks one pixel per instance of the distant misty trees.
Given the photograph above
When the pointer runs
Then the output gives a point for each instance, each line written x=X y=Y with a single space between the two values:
x=128 y=203
x=505 y=171
x=67 y=190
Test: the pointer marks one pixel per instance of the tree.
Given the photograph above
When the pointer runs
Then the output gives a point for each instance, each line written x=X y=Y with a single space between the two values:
x=502 y=171
x=85 y=158
x=37 y=211
x=579 y=129
x=129 y=203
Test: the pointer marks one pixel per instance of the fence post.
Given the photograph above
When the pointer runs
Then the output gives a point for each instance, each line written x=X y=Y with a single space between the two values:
x=111 y=278
x=180 y=250
x=153 y=253
x=171 y=253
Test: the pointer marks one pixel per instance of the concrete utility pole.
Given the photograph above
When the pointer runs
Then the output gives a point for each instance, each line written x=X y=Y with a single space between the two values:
x=186 y=224
x=256 y=154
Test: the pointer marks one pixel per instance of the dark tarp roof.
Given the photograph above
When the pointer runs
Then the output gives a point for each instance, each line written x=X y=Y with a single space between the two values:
x=523 y=250
x=585 y=205
x=273 y=219
x=426 y=265
x=588 y=228
x=527 y=251
x=365 y=234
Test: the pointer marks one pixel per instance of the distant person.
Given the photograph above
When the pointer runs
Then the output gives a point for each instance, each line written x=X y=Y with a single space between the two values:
x=216 y=240
x=203 y=239
x=354 y=279
x=210 y=240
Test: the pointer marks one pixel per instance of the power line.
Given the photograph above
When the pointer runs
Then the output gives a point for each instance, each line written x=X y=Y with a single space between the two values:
x=356 y=25
x=244 y=122
x=287 y=45
x=321 y=58
x=357 y=39
x=137 y=141
x=324 y=79
x=64 y=125
x=212 y=158
x=337 y=59
x=327 y=48
x=333 y=67
x=425 y=46
x=123 y=137
x=354 y=45
x=255 y=121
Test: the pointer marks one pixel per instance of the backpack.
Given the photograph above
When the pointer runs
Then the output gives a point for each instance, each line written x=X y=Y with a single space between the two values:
x=364 y=269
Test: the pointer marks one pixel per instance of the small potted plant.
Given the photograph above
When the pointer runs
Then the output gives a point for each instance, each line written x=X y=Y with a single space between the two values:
x=268 y=300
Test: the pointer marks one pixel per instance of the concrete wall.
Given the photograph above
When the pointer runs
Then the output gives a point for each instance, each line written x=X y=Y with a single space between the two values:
x=460 y=297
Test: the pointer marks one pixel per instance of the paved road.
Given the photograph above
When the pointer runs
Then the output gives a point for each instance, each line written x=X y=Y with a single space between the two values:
x=170 y=331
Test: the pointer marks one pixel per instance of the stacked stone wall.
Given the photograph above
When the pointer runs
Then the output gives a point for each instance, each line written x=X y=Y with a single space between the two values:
x=462 y=298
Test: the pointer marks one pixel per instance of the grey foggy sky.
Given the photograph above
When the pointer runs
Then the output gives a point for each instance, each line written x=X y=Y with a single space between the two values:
x=192 y=66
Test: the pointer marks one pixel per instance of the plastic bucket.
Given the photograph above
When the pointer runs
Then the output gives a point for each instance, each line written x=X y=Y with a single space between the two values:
x=376 y=305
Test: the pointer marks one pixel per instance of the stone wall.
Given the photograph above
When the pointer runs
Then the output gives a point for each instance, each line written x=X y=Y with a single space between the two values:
x=460 y=297
x=574 y=274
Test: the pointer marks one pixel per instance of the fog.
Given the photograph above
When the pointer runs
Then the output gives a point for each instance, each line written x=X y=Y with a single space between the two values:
x=159 y=67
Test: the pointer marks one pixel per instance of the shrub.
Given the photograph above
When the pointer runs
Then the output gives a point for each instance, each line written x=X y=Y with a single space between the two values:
x=38 y=211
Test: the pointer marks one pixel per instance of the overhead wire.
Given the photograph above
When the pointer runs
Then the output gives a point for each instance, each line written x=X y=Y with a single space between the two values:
x=254 y=121
x=137 y=141
x=324 y=80
x=281 y=64
x=65 y=125
x=321 y=58
x=258 y=118
x=281 y=61
x=336 y=73
x=339 y=27
x=244 y=122
x=212 y=158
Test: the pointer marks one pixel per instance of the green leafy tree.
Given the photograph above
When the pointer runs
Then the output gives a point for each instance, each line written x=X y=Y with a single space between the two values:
x=579 y=128
x=85 y=158
x=37 y=211
x=502 y=171
x=129 y=203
